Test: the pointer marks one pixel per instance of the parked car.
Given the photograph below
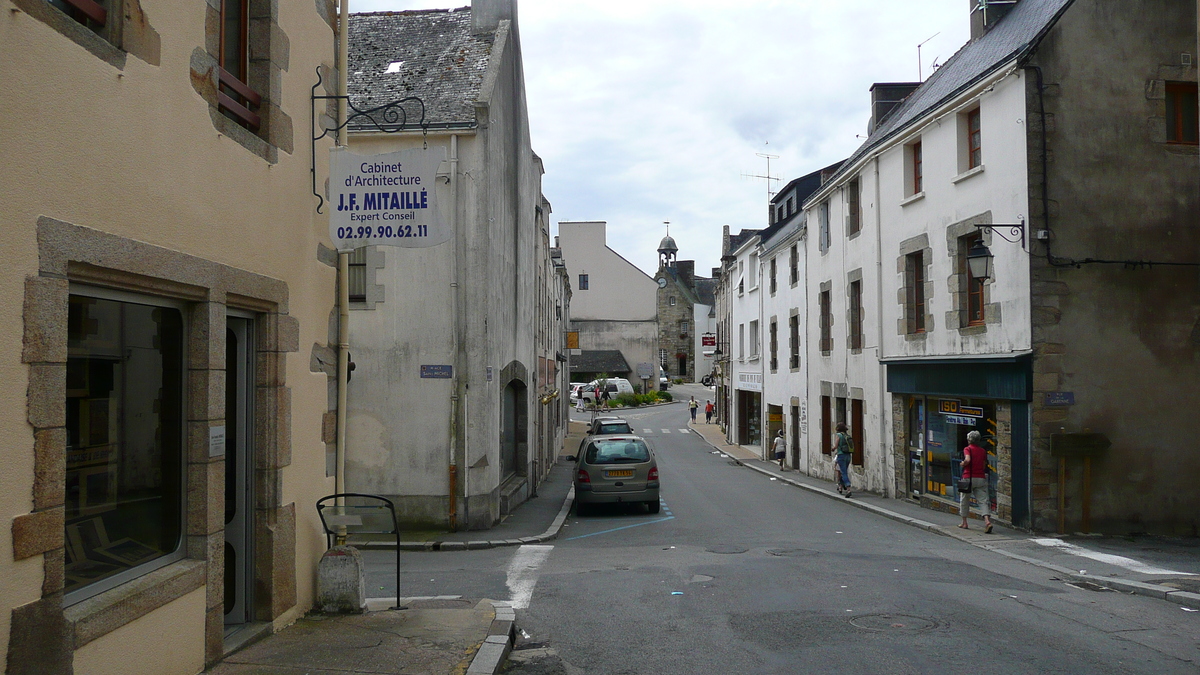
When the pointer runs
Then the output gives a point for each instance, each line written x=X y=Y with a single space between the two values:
x=575 y=388
x=663 y=382
x=604 y=426
x=616 y=469
x=616 y=386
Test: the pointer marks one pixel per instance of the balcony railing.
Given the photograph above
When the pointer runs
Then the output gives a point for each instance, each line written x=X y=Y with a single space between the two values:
x=235 y=107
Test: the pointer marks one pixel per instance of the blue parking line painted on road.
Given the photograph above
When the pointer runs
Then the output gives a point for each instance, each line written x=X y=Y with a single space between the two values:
x=618 y=529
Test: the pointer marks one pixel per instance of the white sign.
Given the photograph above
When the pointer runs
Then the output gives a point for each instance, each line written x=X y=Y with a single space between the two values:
x=750 y=381
x=386 y=200
x=216 y=441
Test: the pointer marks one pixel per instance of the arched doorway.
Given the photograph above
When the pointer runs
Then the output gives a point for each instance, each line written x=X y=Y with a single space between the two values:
x=514 y=427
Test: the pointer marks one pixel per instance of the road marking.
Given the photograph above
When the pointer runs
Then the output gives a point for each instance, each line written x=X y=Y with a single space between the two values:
x=646 y=431
x=666 y=431
x=684 y=431
x=618 y=529
x=523 y=572
x=1119 y=561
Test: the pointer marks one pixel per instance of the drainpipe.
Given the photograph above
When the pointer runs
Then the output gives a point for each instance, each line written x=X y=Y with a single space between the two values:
x=452 y=461
x=888 y=488
x=343 y=269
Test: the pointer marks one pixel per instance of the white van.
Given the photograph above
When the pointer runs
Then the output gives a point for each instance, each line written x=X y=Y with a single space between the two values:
x=616 y=387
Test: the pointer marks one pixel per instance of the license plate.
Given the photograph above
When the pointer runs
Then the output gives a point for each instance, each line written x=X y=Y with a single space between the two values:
x=621 y=473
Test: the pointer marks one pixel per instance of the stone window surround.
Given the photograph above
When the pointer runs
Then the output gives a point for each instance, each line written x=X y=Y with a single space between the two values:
x=773 y=343
x=907 y=247
x=129 y=31
x=794 y=350
x=851 y=277
x=44 y=632
x=956 y=283
x=269 y=50
x=375 y=260
x=1156 y=101
x=826 y=287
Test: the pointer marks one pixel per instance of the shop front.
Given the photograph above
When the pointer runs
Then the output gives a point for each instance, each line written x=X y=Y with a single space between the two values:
x=749 y=409
x=936 y=403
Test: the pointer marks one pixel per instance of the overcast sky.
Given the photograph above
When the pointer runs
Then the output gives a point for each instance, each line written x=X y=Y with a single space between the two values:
x=652 y=110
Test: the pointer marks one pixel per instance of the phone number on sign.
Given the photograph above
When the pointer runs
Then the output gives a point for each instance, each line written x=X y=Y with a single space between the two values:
x=383 y=231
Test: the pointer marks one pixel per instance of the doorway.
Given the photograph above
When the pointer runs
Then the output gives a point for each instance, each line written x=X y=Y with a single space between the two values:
x=513 y=429
x=682 y=358
x=239 y=471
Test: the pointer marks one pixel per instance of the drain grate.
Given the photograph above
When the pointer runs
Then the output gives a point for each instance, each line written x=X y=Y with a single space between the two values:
x=905 y=623
x=1089 y=586
x=726 y=549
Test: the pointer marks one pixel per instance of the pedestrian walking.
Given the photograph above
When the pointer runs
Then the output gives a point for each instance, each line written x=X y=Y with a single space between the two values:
x=708 y=411
x=692 y=407
x=604 y=396
x=780 y=448
x=580 y=402
x=844 y=447
x=974 y=467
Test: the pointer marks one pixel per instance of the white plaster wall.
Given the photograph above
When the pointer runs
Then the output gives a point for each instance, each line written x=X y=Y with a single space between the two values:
x=744 y=308
x=703 y=323
x=1002 y=188
x=617 y=289
x=780 y=386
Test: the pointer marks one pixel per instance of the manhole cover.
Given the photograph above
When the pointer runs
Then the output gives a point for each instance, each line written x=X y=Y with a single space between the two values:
x=893 y=622
x=726 y=549
x=791 y=552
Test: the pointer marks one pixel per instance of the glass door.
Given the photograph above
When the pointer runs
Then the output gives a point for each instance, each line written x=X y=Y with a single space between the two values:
x=239 y=468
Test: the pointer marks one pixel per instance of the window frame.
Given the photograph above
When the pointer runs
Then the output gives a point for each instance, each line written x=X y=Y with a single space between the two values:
x=826 y=425
x=794 y=265
x=853 y=207
x=356 y=259
x=91 y=590
x=773 y=332
x=975 y=302
x=825 y=303
x=772 y=283
x=235 y=97
x=794 y=342
x=974 y=139
x=914 y=292
x=584 y=281
x=823 y=225
x=1176 y=99
x=856 y=315
x=918 y=169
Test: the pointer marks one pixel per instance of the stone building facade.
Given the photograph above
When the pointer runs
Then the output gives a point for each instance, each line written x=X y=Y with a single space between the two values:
x=686 y=313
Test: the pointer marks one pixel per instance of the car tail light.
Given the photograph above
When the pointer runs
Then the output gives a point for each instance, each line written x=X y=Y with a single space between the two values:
x=653 y=475
x=585 y=478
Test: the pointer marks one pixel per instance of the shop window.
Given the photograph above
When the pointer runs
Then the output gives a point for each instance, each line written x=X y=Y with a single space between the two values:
x=946 y=425
x=1182 y=124
x=914 y=291
x=826 y=425
x=124 y=455
x=857 y=429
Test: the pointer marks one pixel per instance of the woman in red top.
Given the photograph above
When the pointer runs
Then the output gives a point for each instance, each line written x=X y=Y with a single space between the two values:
x=974 y=466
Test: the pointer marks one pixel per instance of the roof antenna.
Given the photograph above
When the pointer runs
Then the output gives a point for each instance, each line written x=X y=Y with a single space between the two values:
x=920 y=77
x=768 y=177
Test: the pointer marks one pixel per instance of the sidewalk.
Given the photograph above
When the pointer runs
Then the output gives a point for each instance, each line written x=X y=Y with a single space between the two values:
x=1159 y=567
x=431 y=635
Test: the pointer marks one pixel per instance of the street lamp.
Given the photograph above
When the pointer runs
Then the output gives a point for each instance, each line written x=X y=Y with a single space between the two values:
x=979 y=261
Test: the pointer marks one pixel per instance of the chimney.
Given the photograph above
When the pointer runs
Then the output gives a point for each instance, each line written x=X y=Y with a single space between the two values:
x=985 y=14
x=886 y=97
x=716 y=273
x=686 y=270
x=486 y=15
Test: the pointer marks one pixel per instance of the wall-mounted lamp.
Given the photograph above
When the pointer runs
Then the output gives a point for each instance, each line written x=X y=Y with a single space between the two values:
x=979 y=258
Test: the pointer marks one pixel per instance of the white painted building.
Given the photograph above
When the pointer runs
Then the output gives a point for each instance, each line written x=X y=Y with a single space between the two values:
x=745 y=425
x=451 y=341
x=613 y=305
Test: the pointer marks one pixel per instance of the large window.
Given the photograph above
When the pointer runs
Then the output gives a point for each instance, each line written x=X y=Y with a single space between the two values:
x=853 y=208
x=825 y=303
x=974 y=291
x=794 y=341
x=794 y=265
x=823 y=224
x=754 y=339
x=774 y=340
x=124 y=455
x=772 y=280
x=914 y=291
x=1182 y=126
x=974 y=148
x=856 y=316
x=235 y=97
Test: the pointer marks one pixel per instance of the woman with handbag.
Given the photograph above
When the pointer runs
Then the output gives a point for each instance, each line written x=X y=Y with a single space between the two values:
x=974 y=469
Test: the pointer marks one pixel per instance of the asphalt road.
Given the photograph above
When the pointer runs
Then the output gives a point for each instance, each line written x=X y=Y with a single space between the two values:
x=741 y=574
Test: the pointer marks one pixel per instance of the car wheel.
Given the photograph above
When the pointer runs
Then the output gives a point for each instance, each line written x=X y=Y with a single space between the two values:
x=653 y=506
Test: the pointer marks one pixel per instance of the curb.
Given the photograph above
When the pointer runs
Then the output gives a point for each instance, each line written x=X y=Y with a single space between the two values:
x=499 y=642
x=550 y=533
x=1158 y=591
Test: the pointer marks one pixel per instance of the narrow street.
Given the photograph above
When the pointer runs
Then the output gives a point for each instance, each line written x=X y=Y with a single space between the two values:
x=738 y=575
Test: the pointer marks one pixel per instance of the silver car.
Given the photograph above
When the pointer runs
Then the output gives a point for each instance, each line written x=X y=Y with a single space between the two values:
x=616 y=469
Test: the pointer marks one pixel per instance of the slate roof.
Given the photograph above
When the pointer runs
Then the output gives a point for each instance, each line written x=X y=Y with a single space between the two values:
x=805 y=185
x=705 y=290
x=1012 y=37
x=610 y=361
x=441 y=62
x=736 y=241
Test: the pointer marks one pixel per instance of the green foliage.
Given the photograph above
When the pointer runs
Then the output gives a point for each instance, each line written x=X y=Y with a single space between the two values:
x=665 y=396
x=628 y=400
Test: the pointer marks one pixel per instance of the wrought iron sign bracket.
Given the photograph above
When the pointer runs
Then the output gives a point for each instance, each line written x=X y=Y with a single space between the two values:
x=388 y=118
x=1015 y=230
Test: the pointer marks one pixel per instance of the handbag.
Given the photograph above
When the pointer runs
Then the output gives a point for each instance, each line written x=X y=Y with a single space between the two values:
x=963 y=485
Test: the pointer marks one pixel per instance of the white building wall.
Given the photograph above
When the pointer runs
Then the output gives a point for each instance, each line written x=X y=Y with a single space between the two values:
x=703 y=323
x=786 y=386
x=746 y=363
x=617 y=289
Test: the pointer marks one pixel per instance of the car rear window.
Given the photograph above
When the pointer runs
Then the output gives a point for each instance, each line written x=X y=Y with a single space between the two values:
x=615 y=428
x=617 y=451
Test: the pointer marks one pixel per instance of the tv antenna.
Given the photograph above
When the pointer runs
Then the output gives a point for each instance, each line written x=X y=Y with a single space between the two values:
x=920 y=77
x=768 y=178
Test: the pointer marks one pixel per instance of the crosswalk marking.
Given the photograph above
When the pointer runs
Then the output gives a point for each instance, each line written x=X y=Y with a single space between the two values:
x=683 y=431
x=666 y=431
x=646 y=431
